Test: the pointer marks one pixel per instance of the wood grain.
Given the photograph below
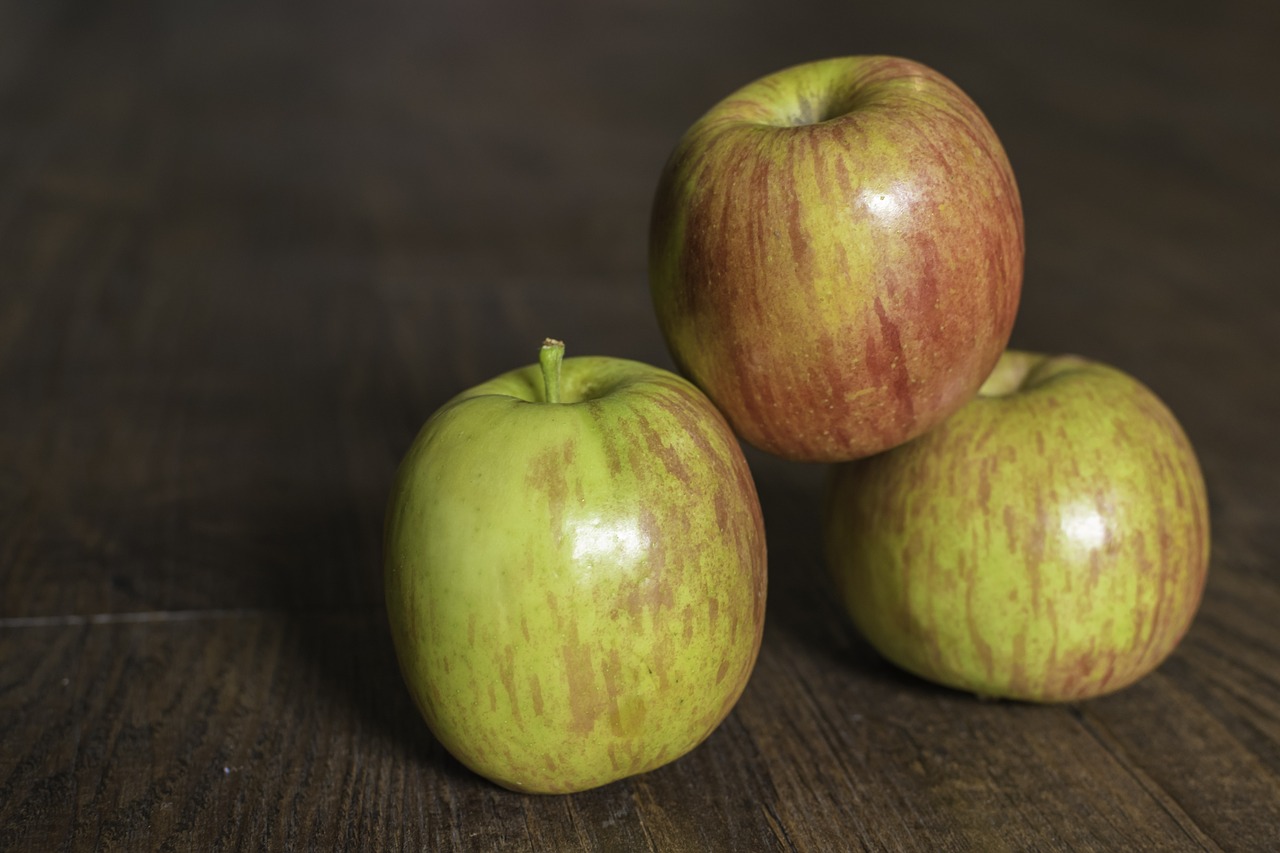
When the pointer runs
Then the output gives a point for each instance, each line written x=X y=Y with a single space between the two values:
x=245 y=252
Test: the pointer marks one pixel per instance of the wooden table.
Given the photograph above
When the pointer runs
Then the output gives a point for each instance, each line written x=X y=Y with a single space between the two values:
x=245 y=252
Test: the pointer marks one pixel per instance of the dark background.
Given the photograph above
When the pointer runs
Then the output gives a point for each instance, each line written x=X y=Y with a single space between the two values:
x=246 y=249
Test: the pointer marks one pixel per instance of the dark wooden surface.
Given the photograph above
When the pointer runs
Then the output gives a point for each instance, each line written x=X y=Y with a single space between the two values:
x=246 y=251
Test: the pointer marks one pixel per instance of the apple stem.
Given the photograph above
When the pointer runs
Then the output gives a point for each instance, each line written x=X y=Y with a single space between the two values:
x=549 y=358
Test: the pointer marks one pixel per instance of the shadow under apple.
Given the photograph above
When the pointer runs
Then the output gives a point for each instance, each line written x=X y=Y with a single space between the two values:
x=327 y=585
x=803 y=607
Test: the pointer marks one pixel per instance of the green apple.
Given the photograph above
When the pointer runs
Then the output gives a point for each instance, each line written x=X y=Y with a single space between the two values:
x=836 y=255
x=575 y=572
x=1048 y=542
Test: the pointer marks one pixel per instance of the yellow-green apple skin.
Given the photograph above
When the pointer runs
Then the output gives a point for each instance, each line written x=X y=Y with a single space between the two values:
x=576 y=589
x=1048 y=542
x=836 y=255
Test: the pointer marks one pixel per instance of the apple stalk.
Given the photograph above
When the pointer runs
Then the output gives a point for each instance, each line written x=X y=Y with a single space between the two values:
x=550 y=358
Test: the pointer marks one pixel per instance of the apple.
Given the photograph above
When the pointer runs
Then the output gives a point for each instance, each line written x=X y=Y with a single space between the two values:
x=836 y=255
x=1048 y=542
x=575 y=572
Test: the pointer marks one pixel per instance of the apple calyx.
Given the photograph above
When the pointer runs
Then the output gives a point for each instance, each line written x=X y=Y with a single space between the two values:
x=1022 y=371
x=835 y=104
x=550 y=358
x=828 y=96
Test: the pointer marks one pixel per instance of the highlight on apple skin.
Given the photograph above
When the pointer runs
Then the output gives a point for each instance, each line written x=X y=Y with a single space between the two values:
x=575 y=572
x=836 y=255
x=1048 y=542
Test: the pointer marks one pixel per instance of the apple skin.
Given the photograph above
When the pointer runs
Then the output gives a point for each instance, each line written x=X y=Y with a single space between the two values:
x=1048 y=542
x=836 y=255
x=576 y=590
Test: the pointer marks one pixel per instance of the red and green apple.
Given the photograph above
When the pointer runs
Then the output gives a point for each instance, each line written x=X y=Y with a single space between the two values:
x=836 y=255
x=1047 y=542
x=575 y=572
